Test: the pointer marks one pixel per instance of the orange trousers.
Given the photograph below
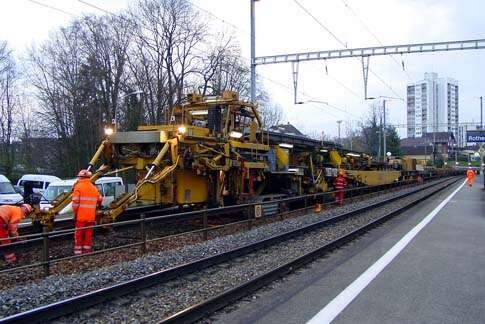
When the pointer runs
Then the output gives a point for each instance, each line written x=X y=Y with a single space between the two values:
x=10 y=257
x=339 y=197
x=83 y=238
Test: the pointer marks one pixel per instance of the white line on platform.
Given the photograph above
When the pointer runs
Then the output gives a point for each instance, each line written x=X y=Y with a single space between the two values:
x=339 y=303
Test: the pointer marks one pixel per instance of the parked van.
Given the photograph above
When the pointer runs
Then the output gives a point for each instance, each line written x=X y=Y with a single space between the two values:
x=39 y=182
x=8 y=196
x=108 y=187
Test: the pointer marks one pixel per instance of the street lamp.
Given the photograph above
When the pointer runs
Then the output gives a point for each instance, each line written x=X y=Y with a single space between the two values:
x=339 y=122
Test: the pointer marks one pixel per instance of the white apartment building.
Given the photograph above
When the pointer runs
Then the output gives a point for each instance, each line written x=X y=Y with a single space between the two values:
x=432 y=106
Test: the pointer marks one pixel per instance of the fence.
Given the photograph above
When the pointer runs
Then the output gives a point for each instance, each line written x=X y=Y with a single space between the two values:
x=253 y=212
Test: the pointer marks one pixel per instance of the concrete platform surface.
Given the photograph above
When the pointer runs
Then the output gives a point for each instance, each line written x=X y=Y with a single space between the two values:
x=439 y=277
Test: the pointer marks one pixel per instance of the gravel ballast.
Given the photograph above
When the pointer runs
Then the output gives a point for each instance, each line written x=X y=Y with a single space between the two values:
x=160 y=301
x=55 y=288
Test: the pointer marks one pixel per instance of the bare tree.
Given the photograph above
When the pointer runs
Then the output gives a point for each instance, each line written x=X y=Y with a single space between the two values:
x=352 y=137
x=78 y=74
x=132 y=67
x=8 y=107
x=164 y=53
x=105 y=44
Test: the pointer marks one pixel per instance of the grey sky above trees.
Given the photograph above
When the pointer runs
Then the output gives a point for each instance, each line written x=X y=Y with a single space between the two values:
x=82 y=77
x=283 y=27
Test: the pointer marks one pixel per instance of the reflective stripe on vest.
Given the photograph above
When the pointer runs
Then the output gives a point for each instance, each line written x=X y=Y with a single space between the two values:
x=84 y=200
x=84 y=206
x=339 y=183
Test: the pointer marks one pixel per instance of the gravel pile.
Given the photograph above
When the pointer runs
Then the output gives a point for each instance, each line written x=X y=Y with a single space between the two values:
x=54 y=288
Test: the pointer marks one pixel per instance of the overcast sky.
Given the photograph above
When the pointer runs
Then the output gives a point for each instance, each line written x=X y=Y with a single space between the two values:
x=284 y=27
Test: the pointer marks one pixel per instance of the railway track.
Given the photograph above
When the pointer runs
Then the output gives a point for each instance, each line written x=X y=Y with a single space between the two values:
x=189 y=291
x=60 y=248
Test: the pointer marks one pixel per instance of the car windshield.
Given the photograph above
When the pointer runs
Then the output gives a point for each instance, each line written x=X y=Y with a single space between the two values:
x=35 y=184
x=53 y=191
x=6 y=188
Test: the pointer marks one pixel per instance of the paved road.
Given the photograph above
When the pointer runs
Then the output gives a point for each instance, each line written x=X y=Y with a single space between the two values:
x=438 y=278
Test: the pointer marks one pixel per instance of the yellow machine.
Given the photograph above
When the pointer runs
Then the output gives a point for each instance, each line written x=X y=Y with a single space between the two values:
x=214 y=152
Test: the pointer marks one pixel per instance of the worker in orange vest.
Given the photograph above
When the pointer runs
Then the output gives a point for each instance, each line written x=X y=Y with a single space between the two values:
x=10 y=217
x=339 y=183
x=470 y=176
x=85 y=200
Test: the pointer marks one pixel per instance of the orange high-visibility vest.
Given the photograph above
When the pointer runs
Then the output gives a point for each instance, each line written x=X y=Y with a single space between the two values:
x=339 y=182
x=11 y=217
x=470 y=176
x=85 y=198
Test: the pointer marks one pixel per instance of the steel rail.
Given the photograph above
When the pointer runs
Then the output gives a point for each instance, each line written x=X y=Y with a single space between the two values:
x=73 y=304
x=63 y=234
x=28 y=238
x=205 y=308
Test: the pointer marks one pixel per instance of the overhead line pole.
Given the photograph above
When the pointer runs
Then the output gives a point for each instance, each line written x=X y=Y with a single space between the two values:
x=384 y=129
x=481 y=112
x=253 y=54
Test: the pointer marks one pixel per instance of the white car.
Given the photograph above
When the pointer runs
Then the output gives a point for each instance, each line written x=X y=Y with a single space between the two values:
x=108 y=187
x=40 y=182
x=8 y=196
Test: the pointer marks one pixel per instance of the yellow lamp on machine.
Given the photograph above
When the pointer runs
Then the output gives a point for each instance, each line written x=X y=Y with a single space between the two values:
x=108 y=131
x=182 y=129
x=235 y=134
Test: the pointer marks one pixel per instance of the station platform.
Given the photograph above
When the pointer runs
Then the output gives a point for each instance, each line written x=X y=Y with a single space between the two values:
x=438 y=277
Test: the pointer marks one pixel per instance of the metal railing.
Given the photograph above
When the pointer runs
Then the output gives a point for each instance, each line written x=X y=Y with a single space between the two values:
x=308 y=201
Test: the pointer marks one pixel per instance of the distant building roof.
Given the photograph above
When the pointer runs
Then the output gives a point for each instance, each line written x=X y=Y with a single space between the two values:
x=286 y=129
x=438 y=137
x=416 y=150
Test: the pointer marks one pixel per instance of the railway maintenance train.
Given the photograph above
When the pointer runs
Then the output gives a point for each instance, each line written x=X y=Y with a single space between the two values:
x=214 y=152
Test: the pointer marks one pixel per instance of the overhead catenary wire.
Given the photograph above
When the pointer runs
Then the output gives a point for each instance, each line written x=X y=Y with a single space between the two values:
x=52 y=8
x=218 y=18
x=269 y=79
x=266 y=78
x=99 y=8
x=361 y=21
x=460 y=124
x=309 y=97
x=349 y=90
x=344 y=44
x=129 y=21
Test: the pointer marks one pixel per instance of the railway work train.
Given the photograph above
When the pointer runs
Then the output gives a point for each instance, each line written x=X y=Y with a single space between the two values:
x=214 y=152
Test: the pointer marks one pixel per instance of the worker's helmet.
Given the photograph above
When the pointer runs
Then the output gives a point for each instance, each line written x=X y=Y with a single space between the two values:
x=26 y=208
x=84 y=174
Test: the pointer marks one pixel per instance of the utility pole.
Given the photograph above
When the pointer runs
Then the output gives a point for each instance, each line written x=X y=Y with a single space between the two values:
x=384 y=128
x=456 y=154
x=339 y=122
x=435 y=122
x=253 y=54
x=481 y=113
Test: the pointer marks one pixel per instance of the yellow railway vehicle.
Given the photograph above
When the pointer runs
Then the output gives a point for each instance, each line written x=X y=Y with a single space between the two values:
x=214 y=152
